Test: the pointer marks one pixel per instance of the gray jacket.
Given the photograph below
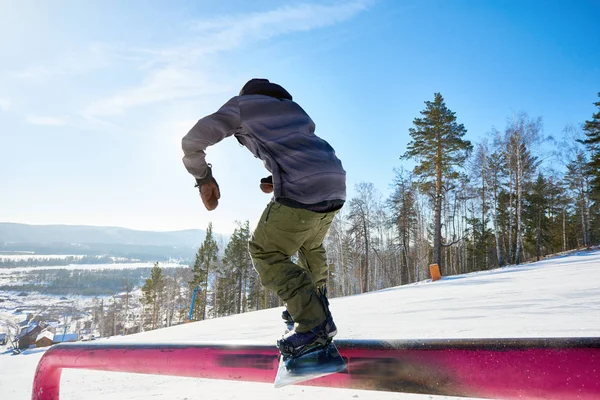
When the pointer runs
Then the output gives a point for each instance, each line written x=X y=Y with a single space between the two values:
x=306 y=172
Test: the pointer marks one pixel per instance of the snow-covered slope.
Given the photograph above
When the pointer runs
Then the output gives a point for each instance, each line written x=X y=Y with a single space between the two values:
x=555 y=297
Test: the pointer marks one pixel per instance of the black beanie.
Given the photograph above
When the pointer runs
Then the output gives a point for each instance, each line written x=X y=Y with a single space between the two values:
x=264 y=87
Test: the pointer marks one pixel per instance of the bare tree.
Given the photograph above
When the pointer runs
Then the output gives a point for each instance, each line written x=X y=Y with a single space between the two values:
x=494 y=173
x=337 y=244
x=361 y=217
x=520 y=135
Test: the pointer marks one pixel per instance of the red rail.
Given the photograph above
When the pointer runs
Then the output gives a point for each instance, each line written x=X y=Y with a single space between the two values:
x=549 y=368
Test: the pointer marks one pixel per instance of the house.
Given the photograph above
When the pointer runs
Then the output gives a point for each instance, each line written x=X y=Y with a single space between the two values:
x=29 y=334
x=44 y=339
x=3 y=339
x=67 y=337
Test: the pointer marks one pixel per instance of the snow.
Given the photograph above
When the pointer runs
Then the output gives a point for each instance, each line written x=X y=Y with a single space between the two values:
x=41 y=257
x=557 y=297
x=66 y=337
x=14 y=308
x=33 y=257
x=45 y=334
x=89 y=267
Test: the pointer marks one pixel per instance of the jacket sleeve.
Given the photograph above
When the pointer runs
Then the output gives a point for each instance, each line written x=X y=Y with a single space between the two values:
x=208 y=131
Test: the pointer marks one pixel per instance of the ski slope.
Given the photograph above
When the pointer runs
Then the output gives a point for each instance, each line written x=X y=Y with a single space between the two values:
x=558 y=297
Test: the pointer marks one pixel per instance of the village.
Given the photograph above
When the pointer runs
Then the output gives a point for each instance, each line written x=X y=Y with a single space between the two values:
x=36 y=332
x=38 y=318
x=64 y=319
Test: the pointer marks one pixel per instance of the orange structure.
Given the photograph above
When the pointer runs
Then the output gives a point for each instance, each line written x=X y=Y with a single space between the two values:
x=434 y=270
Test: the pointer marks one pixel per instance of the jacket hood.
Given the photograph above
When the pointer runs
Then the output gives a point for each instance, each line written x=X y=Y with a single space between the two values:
x=266 y=88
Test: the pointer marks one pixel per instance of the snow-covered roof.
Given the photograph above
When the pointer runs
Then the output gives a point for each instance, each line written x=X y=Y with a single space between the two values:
x=45 y=334
x=69 y=337
x=2 y=335
x=27 y=329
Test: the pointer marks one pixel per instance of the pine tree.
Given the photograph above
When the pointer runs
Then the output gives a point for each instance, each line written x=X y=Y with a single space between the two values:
x=198 y=277
x=438 y=148
x=592 y=132
x=153 y=292
x=206 y=258
x=557 y=199
x=404 y=213
x=234 y=279
x=577 y=180
x=536 y=208
x=224 y=291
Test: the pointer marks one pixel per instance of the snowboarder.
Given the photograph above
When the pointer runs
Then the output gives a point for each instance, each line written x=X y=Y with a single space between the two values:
x=308 y=184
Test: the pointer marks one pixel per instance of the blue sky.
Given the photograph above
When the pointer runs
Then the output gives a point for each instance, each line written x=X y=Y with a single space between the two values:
x=95 y=96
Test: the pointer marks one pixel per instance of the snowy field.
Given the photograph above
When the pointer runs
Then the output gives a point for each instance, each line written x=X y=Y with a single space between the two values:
x=89 y=267
x=553 y=298
x=44 y=257
x=14 y=308
x=33 y=256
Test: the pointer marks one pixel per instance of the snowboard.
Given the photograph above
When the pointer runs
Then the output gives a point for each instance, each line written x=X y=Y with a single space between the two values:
x=311 y=365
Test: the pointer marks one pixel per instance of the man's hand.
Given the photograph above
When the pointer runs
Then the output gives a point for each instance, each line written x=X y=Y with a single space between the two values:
x=266 y=184
x=210 y=194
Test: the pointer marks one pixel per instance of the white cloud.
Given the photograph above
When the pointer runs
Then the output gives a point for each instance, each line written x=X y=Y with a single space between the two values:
x=35 y=73
x=95 y=56
x=46 y=121
x=177 y=72
x=164 y=84
x=234 y=30
x=4 y=104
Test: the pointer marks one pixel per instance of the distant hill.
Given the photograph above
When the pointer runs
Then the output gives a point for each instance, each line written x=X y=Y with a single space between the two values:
x=12 y=232
x=92 y=240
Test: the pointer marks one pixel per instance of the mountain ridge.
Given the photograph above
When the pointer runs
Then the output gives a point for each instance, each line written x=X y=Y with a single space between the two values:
x=89 y=239
x=12 y=232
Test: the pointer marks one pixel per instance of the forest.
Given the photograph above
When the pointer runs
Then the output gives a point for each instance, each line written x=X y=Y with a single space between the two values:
x=80 y=282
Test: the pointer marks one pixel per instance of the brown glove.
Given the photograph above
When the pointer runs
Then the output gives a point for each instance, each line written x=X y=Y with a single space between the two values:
x=209 y=191
x=266 y=184
x=210 y=194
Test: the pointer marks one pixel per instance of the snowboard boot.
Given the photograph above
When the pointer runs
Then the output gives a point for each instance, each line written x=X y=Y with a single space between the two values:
x=331 y=328
x=295 y=344
x=288 y=321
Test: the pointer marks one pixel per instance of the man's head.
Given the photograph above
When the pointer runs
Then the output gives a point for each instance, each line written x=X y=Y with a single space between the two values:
x=266 y=88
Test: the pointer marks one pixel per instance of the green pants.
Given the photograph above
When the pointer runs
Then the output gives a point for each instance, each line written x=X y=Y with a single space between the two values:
x=282 y=232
